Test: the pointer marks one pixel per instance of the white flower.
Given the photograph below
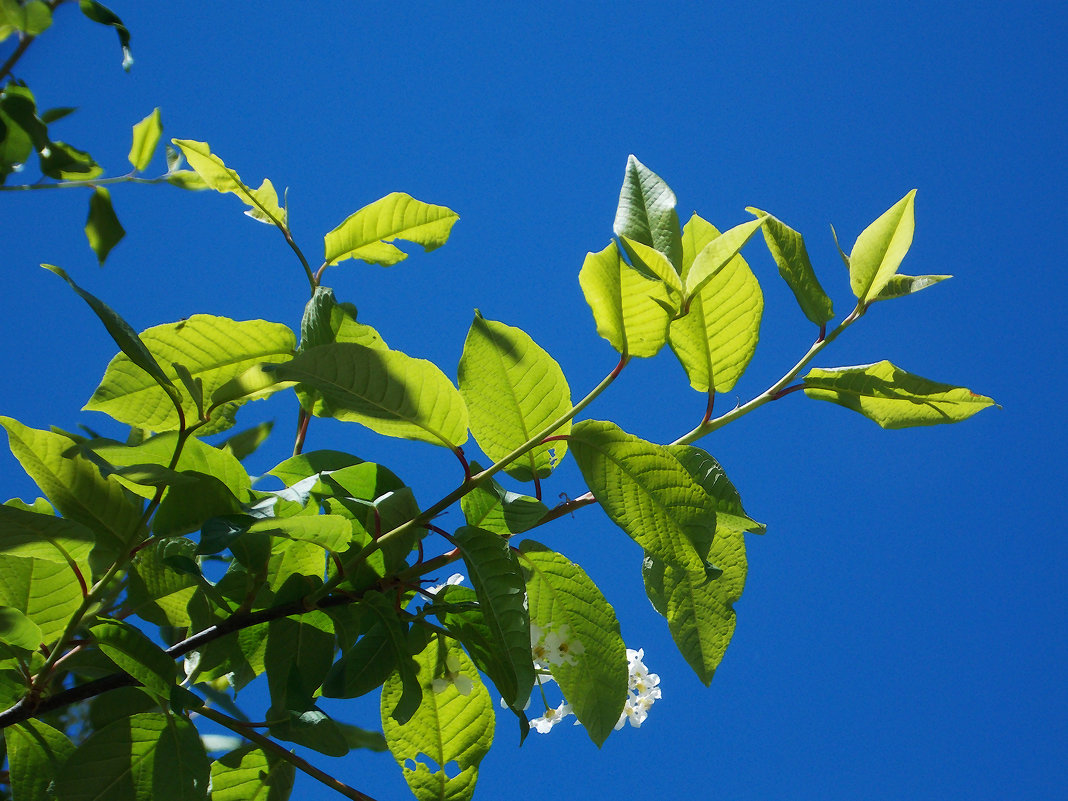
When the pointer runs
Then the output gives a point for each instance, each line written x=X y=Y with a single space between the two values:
x=455 y=578
x=553 y=647
x=545 y=723
x=453 y=676
x=643 y=690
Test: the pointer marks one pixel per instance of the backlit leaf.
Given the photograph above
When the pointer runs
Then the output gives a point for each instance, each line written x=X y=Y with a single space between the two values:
x=787 y=247
x=263 y=202
x=646 y=212
x=146 y=136
x=249 y=774
x=900 y=285
x=35 y=752
x=892 y=397
x=103 y=228
x=492 y=507
x=136 y=654
x=367 y=233
x=44 y=591
x=880 y=248
x=716 y=254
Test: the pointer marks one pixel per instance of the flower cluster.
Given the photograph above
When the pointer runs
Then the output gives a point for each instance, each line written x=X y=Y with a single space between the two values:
x=642 y=692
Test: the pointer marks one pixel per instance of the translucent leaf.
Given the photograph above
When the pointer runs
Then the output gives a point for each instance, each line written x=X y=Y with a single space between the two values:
x=716 y=254
x=492 y=507
x=564 y=600
x=64 y=162
x=646 y=212
x=44 y=591
x=652 y=262
x=32 y=18
x=263 y=202
x=630 y=309
x=501 y=591
x=387 y=391
x=249 y=774
x=245 y=443
x=708 y=473
x=18 y=631
x=102 y=228
x=892 y=397
x=367 y=233
x=513 y=390
x=645 y=491
x=35 y=752
x=146 y=756
x=134 y=653
x=880 y=249
x=441 y=746
x=157 y=592
x=213 y=349
x=43 y=536
x=330 y=532
x=146 y=136
x=900 y=285
x=787 y=247
x=716 y=338
x=299 y=654
x=406 y=691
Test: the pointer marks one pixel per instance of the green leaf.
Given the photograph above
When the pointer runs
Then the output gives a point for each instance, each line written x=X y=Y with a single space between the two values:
x=715 y=340
x=263 y=202
x=712 y=478
x=406 y=691
x=630 y=309
x=563 y=600
x=501 y=591
x=645 y=491
x=787 y=247
x=492 y=507
x=366 y=234
x=125 y=337
x=249 y=774
x=244 y=443
x=44 y=536
x=65 y=162
x=213 y=349
x=157 y=592
x=134 y=653
x=299 y=654
x=18 y=631
x=714 y=256
x=653 y=263
x=74 y=485
x=900 y=285
x=35 y=752
x=513 y=390
x=32 y=18
x=452 y=730
x=146 y=136
x=311 y=728
x=146 y=756
x=102 y=228
x=304 y=465
x=387 y=391
x=646 y=212
x=187 y=506
x=892 y=397
x=42 y=590
x=880 y=249
x=329 y=532
x=105 y=16
x=364 y=667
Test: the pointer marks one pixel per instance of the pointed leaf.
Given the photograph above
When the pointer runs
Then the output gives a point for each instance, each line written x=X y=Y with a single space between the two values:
x=452 y=729
x=900 y=285
x=652 y=262
x=146 y=136
x=100 y=13
x=501 y=590
x=44 y=591
x=892 y=397
x=645 y=491
x=103 y=228
x=213 y=349
x=146 y=756
x=330 y=532
x=513 y=390
x=787 y=247
x=631 y=311
x=35 y=752
x=880 y=248
x=565 y=601
x=716 y=339
x=244 y=443
x=249 y=774
x=134 y=653
x=364 y=667
x=18 y=631
x=366 y=234
x=387 y=391
x=44 y=536
x=263 y=201
x=406 y=693
x=299 y=654
x=492 y=507
x=712 y=478
x=718 y=253
x=646 y=212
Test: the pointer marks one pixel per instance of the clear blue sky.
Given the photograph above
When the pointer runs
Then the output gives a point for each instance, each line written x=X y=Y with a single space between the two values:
x=902 y=633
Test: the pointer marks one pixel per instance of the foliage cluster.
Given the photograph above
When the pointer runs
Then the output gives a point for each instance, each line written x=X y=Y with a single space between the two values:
x=154 y=580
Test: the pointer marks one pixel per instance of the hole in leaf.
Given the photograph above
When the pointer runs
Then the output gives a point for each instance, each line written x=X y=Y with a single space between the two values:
x=452 y=769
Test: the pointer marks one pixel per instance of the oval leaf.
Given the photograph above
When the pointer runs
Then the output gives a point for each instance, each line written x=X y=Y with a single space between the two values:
x=646 y=212
x=787 y=247
x=146 y=136
x=366 y=234
x=880 y=249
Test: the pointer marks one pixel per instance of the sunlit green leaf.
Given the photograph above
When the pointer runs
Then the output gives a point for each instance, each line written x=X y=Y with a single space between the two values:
x=35 y=753
x=892 y=397
x=44 y=536
x=213 y=349
x=249 y=774
x=406 y=692
x=492 y=507
x=158 y=592
x=65 y=162
x=100 y=13
x=263 y=202
x=44 y=591
x=501 y=591
x=146 y=136
x=787 y=247
x=136 y=654
x=148 y=755
x=714 y=256
x=102 y=228
x=630 y=309
x=245 y=443
x=880 y=248
x=646 y=212
x=900 y=285
x=450 y=733
x=387 y=391
x=513 y=390
x=32 y=18
x=563 y=600
x=18 y=631
x=716 y=339
x=367 y=233
x=651 y=261
x=712 y=478
x=645 y=491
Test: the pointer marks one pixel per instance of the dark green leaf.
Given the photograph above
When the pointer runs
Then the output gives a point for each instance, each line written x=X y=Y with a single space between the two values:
x=103 y=228
x=646 y=212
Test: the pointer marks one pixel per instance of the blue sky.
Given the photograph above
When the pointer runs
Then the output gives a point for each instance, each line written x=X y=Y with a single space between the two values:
x=902 y=632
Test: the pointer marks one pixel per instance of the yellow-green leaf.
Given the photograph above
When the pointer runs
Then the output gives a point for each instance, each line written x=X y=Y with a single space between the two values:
x=146 y=136
x=367 y=233
x=102 y=228
x=880 y=249
x=787 y=247
x=263 y=202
